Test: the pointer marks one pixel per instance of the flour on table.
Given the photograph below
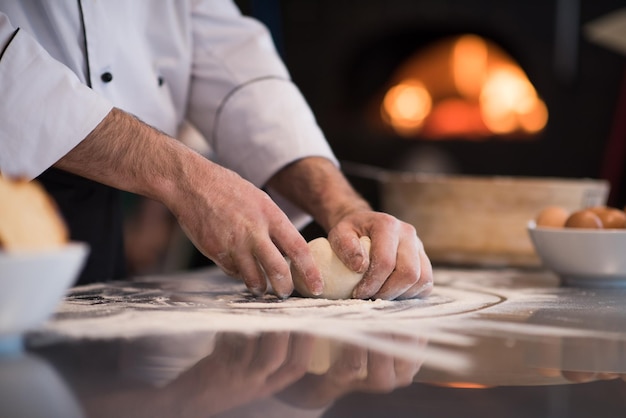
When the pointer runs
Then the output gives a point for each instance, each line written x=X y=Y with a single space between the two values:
x=464 y=304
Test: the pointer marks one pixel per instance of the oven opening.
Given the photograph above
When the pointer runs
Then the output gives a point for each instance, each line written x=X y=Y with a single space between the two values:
x=463 y=86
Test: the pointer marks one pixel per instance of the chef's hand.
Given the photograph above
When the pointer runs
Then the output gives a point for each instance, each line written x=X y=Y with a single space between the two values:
x=229 y=219
x=244 y=232
x=397 y=266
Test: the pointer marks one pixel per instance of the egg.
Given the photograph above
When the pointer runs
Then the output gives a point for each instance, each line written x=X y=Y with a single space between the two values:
x=552 y=216
x=612 y=218
x=584 y=218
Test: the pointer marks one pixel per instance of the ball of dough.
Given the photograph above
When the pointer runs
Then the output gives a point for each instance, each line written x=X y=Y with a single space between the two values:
x=339 y=280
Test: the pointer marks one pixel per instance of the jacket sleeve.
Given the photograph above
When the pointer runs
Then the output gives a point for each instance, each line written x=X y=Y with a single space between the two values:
x=241 y=96
x=243 y=101
x=45 y=110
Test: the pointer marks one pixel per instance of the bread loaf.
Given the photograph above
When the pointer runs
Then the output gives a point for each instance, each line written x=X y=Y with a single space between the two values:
x=29 y=217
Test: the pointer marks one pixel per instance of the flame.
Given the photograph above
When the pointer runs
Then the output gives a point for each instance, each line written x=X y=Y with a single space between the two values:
x=455 y=117
x=464 y=86
x=406 y=105
x=509 y=102
x=469 y=64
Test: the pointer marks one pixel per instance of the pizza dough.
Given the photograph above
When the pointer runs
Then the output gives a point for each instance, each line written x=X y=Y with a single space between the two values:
x=29 y=219
x=339 y=280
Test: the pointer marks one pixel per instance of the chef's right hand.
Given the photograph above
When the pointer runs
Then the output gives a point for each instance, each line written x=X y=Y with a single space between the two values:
x=244 y=232
x=229 y=220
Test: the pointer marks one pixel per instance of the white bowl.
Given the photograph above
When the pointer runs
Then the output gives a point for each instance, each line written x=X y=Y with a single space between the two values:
x=582 y=257
x=32 y=283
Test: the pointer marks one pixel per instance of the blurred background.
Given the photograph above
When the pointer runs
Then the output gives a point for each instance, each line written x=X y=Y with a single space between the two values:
x=346 y=55
x=470 y=87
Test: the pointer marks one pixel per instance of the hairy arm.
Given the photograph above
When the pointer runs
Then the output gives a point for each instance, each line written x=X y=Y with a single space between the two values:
x=125 y=153
x=228 y=219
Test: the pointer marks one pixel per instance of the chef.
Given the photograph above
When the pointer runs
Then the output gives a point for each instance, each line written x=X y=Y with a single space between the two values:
x=93 y=94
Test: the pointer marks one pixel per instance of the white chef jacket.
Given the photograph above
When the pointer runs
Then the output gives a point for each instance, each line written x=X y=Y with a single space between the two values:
x=163 y=61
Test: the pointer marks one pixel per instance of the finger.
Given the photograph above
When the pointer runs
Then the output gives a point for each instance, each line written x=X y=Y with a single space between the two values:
x=251 y=273
x=425 y=283
x=406 y=273
x=225 y=262
x=401 y=280
x=276 y=268
x=302 y=261
x=383 y=255
x=347 y=245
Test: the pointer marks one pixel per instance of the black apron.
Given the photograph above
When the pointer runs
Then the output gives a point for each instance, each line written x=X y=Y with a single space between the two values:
x=93 y=213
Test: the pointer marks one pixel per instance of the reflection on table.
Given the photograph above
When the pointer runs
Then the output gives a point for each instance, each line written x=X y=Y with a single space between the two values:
x=487 y=343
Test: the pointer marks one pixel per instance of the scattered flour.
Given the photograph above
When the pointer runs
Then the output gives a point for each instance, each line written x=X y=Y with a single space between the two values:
x=465 y=305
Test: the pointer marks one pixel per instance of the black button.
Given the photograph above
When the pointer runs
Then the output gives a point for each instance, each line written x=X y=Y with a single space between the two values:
x=161 y=81
x=106 y=77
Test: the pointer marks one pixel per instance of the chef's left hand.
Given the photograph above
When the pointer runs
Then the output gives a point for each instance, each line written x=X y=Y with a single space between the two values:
x=397 y=266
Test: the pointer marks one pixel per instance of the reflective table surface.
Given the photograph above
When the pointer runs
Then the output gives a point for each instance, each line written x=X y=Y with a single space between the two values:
x=486 y=343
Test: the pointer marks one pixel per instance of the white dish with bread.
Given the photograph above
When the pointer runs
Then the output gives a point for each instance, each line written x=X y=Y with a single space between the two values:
x=38 y=263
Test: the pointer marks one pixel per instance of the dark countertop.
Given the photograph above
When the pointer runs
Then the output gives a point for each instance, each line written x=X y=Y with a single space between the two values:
x=487 y=342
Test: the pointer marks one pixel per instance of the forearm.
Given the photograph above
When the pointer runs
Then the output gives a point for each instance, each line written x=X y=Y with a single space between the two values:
x=319 y=188
x=125 y=153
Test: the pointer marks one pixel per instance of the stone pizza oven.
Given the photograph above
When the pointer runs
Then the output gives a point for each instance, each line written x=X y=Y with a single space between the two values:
x=346 y=56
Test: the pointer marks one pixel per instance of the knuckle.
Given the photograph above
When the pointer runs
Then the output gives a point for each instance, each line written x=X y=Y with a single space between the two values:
x=389 y=221
x=275 y=272
x=408 y=275
x=408 y=229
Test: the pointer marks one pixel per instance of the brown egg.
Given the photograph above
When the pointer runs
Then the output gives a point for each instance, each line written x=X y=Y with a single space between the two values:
x=598 y=209
x=583 y=219
x=552 y=216
x=612 y=218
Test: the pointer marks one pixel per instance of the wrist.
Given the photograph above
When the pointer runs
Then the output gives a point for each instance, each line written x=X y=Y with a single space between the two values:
x=317 y=186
